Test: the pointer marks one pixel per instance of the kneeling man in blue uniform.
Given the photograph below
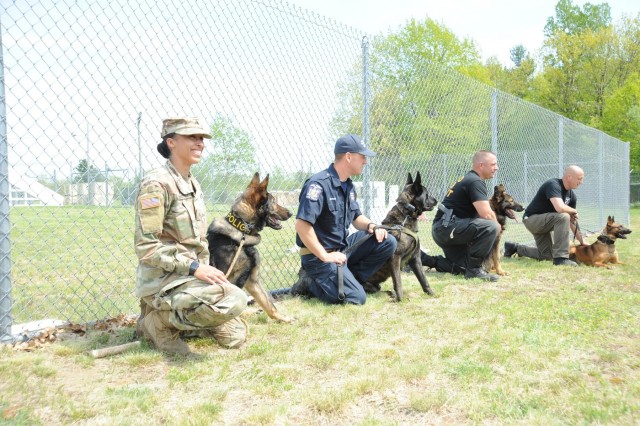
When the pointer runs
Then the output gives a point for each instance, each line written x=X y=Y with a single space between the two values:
x=328 y=205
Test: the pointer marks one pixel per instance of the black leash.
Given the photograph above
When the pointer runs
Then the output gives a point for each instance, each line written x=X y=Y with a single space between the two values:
x=575 y=232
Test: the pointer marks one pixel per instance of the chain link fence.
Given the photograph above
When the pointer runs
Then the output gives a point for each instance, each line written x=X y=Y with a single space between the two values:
x=85 y=86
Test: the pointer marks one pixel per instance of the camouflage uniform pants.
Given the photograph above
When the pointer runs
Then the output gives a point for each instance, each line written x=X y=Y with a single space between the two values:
x=202 y=307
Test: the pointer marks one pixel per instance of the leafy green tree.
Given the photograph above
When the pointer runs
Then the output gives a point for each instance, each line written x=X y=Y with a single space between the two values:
x=87 y=173
x=518 y=54
x=417 y=107
x=621 y=117
x=229 y=161
x=571 y=20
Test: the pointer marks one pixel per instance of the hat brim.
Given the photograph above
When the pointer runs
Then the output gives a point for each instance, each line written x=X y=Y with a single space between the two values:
x=367 y=153
x=189 y=131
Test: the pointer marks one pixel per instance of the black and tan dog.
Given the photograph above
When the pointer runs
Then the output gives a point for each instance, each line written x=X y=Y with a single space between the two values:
x=233 y=240
x=503 y=205
x=411 y=203
x=603 y=251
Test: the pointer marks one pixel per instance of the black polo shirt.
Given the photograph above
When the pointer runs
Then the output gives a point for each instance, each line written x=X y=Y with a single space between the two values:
x=461 y=196
x=553 y=188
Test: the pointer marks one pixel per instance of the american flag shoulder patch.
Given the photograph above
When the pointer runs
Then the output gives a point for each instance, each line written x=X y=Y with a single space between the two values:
x=149 y=202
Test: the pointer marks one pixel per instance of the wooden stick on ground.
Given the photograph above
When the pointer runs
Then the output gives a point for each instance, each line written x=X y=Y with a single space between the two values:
x=114 y=350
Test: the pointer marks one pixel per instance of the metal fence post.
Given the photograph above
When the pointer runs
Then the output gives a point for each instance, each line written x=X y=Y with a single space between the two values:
x=5 y=242
x=601 y=176
x=494 y=128
x=368 y=171
x=560 y=146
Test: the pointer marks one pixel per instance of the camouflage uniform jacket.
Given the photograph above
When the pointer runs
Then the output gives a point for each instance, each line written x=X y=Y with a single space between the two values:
x=170 y=232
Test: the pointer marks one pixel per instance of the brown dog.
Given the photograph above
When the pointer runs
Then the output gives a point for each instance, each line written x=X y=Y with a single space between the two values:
x=603 y=251
x=503 y=205
x=233 y=240
x=402 y=223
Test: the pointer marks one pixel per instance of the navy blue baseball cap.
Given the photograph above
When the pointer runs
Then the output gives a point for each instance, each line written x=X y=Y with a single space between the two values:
x=352 y=143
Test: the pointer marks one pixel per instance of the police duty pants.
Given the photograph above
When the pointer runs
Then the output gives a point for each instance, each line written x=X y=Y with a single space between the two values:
x=199 y=306
x=363 y=262
x=547 y=246
x=466 y=243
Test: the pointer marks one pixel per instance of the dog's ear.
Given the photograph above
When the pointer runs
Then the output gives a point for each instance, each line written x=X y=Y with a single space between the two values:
x=610 y=220
x=255 y=180
x=416 y=187
x=264 y=183
x=409 y=179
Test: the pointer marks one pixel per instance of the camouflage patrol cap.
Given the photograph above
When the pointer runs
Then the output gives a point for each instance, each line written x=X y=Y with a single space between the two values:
x=184 y=126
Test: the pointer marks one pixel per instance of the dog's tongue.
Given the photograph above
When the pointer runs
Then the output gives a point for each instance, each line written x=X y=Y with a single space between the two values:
x=511 y=215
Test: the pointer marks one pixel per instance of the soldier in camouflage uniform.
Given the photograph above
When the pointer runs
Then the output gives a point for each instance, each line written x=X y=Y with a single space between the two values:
x=179 y=290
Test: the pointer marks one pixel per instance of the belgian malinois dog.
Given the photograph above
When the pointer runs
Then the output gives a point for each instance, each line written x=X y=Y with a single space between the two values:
x=233 y=240
x=402 y=223
x=603 y=251
x=503 y=205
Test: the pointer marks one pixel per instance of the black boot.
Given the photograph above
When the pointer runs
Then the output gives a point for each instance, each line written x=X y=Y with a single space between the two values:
x=510 y=249
x=480 y=273
x=301 y=287
x=430 y=262
x=563 y=261
x=474 y=270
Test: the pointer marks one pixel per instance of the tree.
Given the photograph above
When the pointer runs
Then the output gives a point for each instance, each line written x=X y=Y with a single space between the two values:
x=228 y=162
x=571 y=20
x=416 y=105
x=518 y=54
x=621 y=117
x=87 y=173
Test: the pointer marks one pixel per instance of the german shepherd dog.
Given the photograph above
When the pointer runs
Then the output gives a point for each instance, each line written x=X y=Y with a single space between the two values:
x=503 y=205
x=603 y=251
x=233 y=240
x=411 y=203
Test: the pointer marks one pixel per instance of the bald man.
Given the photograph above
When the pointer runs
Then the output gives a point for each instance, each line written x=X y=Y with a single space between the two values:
x=549 y=217
x=465 y=227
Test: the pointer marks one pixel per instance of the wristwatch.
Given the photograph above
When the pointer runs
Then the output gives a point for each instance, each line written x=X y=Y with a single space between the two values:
x=194 y=265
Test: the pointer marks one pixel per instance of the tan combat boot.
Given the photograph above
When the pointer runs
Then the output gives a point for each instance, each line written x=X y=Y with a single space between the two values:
x=156 y=327
x=144 y=309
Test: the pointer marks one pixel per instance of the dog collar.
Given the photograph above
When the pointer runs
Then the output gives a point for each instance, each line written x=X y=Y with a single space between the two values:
x=605 y=239
x=409 y=210
x=238 y=223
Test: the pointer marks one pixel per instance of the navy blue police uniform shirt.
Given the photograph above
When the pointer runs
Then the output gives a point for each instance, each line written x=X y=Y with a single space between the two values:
x=553 y=188
x=461 y=196
x=330 y=206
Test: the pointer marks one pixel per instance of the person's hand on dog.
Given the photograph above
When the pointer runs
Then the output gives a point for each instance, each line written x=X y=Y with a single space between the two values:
x=210 y=274
x=380 y=234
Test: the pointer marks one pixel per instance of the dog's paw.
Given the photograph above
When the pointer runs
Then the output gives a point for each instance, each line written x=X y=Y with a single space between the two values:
x=283 y=318
x=502 y=272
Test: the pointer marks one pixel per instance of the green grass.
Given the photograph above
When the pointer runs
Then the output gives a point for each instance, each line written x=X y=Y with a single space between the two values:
x=545 y=345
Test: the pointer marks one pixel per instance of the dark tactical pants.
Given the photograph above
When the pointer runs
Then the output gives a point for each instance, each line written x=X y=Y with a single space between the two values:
x=465 y=243
x=363 y=262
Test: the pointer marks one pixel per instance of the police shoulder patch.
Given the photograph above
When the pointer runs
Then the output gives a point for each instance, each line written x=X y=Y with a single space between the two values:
x=314 y=192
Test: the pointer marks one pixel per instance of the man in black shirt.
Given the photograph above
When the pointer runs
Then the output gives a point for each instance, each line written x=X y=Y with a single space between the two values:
x=465 y=227
x=552 y=210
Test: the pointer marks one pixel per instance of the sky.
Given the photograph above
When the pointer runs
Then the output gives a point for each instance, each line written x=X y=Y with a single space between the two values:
x=495 y=25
